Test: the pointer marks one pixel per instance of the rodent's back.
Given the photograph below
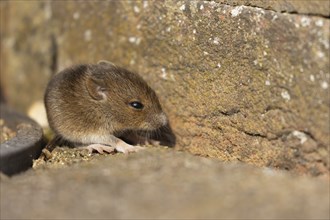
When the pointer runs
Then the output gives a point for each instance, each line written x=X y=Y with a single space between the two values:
x=68 y=105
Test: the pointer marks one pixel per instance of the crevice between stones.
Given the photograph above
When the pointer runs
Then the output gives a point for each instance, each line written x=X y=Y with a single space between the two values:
x=230 y=112
x=307 y=14
x=279 y=135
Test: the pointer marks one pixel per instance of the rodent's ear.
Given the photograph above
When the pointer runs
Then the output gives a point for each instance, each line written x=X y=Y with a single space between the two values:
x=96 y=89
x=106 y=63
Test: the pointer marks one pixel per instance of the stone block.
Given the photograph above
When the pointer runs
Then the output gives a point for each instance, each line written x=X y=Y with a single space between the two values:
x=239 y=79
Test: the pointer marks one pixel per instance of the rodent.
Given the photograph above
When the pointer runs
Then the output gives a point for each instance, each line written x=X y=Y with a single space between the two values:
x=93 y=104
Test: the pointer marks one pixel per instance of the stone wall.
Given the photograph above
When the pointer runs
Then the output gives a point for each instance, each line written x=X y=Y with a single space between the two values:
x=240 y=80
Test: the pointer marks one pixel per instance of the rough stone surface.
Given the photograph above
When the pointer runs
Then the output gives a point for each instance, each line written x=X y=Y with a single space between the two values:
x=162 y=184
x=238 y=82
x=17 y=153
x=27 y=52
x=314 y=7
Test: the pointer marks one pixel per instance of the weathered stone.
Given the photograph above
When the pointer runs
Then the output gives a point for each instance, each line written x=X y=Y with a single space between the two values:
x=162 y=184
x=314 y=7
x=238 y=82
x=27 y=51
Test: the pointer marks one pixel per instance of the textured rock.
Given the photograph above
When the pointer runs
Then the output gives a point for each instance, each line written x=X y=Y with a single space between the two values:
x=162 y=184
x=238 y=82
x=314 y=7
x=27 y=52
x=18 y=152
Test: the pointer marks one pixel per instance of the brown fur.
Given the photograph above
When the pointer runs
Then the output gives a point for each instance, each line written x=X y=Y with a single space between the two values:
x=94 y=100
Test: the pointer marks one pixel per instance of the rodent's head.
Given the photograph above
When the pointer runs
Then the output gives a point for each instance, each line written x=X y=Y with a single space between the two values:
x=124 y=97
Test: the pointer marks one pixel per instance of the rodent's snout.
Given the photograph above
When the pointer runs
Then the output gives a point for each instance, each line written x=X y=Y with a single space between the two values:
x=163 y=118
x=155 y=121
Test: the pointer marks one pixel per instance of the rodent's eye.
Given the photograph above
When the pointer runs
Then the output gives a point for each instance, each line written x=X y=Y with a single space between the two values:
x=136 y=105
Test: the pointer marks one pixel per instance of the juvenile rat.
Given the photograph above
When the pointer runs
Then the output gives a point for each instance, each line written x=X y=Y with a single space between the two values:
x=94 y=104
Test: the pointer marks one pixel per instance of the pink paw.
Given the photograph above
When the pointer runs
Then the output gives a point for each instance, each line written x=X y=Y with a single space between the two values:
x=126 y=148
x=100 y=148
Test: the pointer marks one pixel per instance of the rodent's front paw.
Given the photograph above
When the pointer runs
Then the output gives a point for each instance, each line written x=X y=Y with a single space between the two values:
x=126 y=148
x=152 y=142
x=100 y=148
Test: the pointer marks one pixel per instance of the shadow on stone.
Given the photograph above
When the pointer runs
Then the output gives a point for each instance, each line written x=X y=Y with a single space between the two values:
x=163 y=136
